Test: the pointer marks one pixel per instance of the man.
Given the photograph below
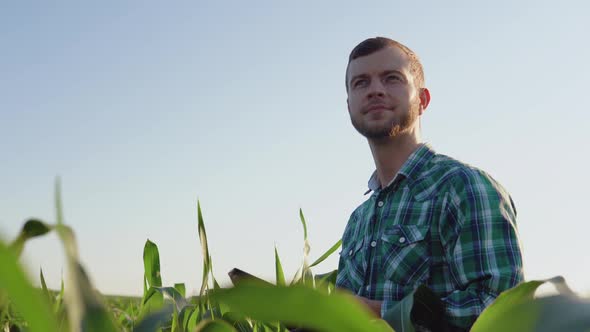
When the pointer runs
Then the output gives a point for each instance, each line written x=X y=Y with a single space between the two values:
x=430 y=220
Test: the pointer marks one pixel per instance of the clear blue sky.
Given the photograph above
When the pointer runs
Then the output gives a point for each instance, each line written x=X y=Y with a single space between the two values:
x=143 y=107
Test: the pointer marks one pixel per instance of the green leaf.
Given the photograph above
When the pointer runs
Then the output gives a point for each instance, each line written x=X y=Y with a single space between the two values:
x=205 y=250
x=326 y=282
x=214 y=326
x=504 y=305
x=556 y=313
x=296 y=278
x=215 y=284
x=152 y=299
x=181 y=289
x=175 y=325
x=32 y=228
x=502 y=313
x=85 y=307
x=58 y=306
x=306 y=274
x=97 y=319
x=58 y=206
x=302 y=218
x=188 y=317
x=44 y=287
x=25 y=299
x=151 y=264
x=238 y=321
x=327 y=253
x=299 y=305
x=154 y=320
x=280 y=276
x=93 y=313
x=171 y=292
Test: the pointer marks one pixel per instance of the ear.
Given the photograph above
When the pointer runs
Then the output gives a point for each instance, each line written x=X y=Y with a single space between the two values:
x=424 y=99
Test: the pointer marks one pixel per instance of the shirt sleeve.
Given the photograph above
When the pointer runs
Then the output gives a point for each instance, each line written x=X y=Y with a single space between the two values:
x=481 y=245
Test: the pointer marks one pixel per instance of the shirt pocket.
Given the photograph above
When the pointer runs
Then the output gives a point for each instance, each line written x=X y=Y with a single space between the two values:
x=353 y=257
x=405 y=253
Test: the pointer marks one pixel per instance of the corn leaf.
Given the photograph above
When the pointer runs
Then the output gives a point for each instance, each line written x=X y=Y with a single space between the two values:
x=44 y=287
x=205 y=250
x=280 y=276
x=214 y=326
x=25 y=299
x=501 y=312
x=32 y=228
x=86 y=310
x=154 y=320
x=299 y=305
x=152 y=299
x=556 y=313
x=306 y=274
x=327 y=253
x=181 y=289
x=188 y=317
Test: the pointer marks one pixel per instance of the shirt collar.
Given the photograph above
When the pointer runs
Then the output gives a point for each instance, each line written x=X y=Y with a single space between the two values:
x=410 y=169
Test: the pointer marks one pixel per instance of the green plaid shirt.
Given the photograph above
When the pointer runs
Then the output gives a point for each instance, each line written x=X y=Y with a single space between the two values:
x=440 y=223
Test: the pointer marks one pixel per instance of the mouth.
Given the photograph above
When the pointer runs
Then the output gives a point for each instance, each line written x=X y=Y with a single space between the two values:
x=377 y=107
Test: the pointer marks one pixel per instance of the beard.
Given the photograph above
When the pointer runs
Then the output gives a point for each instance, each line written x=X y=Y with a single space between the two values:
x=393 y=128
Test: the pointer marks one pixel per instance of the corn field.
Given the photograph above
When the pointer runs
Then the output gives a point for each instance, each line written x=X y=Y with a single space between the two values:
x=308 y=301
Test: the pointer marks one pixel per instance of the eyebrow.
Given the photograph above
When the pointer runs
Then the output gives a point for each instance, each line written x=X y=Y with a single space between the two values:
x=393 y=71
x=384 y=73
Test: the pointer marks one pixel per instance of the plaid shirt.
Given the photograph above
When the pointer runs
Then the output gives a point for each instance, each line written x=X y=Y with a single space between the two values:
x=440 y=223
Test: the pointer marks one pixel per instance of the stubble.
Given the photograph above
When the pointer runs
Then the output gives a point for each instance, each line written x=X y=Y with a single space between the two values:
x=398 y=126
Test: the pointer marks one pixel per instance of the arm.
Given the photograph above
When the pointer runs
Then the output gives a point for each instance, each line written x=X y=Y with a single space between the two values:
x=481 y=245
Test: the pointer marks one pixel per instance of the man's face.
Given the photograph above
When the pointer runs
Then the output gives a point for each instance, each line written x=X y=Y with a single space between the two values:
x=382 y=98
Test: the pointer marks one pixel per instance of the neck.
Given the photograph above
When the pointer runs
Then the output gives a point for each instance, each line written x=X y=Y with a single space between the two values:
x=391 y=153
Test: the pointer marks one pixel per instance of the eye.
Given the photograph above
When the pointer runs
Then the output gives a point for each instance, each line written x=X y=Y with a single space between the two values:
x=359 y=83
x=392 y=78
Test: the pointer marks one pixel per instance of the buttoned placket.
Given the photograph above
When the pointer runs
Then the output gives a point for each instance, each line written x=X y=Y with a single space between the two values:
x=374 y=225
x=366 y=287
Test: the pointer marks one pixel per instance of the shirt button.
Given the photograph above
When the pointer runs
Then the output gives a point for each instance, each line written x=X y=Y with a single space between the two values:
x=374 y=244
x=380 y=203
x=402 y=239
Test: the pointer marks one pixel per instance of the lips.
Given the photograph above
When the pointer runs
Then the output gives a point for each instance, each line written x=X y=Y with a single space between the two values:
x=376 y=107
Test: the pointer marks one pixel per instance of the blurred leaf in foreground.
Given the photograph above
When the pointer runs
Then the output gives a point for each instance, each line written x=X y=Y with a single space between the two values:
x=32 y=228
x=517 y=310
x=85 y=307
x=28 y=301
x=214 y=326
x=300 y=305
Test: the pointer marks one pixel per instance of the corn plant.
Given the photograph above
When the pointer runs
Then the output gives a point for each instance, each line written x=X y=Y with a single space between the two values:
x=307 y=301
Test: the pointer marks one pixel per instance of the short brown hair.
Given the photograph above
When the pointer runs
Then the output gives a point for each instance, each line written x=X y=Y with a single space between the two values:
x=372 y=45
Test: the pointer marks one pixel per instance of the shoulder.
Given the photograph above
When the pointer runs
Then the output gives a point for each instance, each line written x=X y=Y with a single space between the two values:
x=471 y=188
x=464 y=178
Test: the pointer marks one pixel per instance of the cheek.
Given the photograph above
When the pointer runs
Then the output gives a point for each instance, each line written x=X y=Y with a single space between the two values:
x=353 y=103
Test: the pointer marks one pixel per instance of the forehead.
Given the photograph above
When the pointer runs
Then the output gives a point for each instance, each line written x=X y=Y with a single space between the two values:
x=386 y=59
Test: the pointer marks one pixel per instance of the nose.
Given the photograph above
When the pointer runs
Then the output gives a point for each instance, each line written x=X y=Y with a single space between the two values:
x=376 y=89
